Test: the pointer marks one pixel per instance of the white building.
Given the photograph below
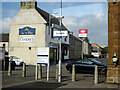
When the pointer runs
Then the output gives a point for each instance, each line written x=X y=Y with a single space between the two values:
x=29 y=30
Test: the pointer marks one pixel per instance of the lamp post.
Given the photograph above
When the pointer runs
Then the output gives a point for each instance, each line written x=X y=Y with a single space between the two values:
x=59 y=73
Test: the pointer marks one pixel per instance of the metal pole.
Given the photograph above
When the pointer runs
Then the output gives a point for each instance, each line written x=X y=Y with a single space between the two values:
x=48 y=67
x=59 y=74
x=82 y=48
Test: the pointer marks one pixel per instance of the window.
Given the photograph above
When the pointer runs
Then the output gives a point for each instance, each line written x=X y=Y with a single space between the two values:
x=65 y=51
x=65 y=39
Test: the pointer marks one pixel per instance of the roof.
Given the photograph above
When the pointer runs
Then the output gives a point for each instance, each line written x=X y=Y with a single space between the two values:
x=96 y=45
x=45 y=15
x=71 y=35
x=4 y=37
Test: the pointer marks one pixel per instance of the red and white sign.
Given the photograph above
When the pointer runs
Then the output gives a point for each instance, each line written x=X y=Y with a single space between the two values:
x=82 y=33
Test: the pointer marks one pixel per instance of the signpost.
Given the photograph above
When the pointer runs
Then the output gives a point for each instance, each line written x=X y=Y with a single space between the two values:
x=43 y=59
x=82 y=33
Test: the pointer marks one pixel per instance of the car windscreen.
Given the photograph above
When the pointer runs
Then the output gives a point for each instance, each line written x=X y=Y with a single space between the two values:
x=95 y=61
x=15 y=57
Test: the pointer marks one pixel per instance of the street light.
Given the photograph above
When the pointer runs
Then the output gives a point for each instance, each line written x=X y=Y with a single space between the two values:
x=59 y=73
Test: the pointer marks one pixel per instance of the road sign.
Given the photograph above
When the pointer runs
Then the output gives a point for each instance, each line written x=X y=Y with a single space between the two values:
x=60 y=34
x=82 y=33
x=43 y=55
x=43 y=58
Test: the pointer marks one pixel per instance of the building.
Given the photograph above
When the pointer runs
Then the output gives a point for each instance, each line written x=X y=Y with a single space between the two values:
x=75 y=47
x=4 y=41
x=31 y=29
x=96 y=50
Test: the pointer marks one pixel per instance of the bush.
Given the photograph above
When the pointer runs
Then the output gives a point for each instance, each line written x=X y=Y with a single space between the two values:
x=89 y=56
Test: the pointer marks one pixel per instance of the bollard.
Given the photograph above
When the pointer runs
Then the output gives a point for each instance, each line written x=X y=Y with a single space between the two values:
x=73 y=73
x=24 y=70
x=96 y=75
x=56 y=71
x=9 y=69
x=40 y=71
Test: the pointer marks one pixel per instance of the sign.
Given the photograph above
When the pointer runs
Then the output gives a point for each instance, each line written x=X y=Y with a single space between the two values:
x=2 y=53
x=27 y=31
x=27 y=39
x=82 y=33
x=60 y=34
x=43 y=55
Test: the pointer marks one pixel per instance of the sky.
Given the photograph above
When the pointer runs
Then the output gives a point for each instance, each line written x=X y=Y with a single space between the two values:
x=77 y=15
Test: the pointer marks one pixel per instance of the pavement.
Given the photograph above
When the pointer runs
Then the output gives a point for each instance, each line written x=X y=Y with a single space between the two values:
x=16 y=81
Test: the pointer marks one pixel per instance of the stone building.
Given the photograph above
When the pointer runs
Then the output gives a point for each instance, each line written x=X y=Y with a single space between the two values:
x=75 y=47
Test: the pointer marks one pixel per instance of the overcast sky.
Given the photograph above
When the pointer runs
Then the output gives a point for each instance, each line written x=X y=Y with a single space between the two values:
x=77 y=15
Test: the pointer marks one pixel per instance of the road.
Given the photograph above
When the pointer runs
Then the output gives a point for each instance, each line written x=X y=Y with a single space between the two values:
x=82 y=80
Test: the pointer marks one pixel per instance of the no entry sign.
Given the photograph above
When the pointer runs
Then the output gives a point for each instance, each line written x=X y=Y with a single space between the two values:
x=82 y=33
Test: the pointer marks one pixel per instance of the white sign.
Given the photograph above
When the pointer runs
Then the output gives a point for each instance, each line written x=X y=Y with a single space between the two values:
x=82 y=33
x=95 y=54
x=59 y=34
x=27 y=39
x=2 y=53
x=43 y=55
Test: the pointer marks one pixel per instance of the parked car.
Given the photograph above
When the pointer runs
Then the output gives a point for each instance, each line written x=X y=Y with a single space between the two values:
x=86 y=66
x=17 y=60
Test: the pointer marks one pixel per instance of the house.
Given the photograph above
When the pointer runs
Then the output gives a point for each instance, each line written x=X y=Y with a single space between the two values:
x=31 y=29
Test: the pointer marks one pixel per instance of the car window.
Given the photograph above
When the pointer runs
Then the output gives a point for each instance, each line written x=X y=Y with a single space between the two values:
x=15 y=57
x=87 y=61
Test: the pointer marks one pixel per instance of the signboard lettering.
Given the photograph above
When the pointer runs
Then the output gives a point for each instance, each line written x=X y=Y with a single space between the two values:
x=60 y=34
x=27 y=39
x=43 y=55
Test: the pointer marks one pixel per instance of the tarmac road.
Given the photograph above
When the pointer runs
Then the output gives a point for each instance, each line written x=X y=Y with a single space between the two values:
x=82 y=80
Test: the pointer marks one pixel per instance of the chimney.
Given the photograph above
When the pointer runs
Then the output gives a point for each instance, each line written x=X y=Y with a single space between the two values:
x=29 y=5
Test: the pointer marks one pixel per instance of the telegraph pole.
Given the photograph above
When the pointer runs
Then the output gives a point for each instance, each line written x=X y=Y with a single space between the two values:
x=59 y=74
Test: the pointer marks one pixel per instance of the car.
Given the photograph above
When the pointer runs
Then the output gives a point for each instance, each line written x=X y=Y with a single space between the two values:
x=86 y=66
x=18 y=61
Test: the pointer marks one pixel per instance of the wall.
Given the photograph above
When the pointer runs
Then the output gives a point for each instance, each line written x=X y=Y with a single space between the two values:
x=75 y=47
